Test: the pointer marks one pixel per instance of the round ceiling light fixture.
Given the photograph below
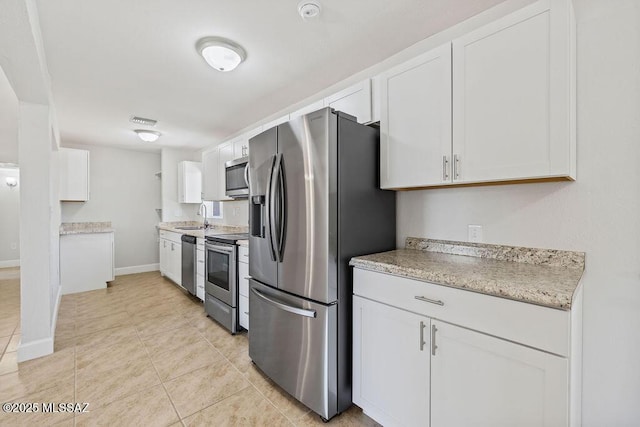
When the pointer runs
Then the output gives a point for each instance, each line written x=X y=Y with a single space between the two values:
x=221 y=54
x=147 y=135
x=309 y=9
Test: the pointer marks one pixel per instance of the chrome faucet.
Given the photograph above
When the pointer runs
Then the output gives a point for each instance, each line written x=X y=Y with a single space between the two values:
x=205 y=224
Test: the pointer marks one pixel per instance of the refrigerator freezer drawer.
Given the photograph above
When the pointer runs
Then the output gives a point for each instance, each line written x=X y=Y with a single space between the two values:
x=294 y=342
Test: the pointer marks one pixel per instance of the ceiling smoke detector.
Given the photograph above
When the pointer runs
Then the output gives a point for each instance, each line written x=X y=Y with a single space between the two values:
x=142 y=121
x=309 y=9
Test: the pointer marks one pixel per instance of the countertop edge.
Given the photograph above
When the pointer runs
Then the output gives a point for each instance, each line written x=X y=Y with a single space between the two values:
x=413 y=274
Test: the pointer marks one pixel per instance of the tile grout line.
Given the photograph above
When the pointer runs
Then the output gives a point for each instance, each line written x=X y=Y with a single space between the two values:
x=159 y=378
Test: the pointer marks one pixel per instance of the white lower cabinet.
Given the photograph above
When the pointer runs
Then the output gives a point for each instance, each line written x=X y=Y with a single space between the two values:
x=171 y=255
x=86 y=261
x=243 y=287
x=391 y=366
x=443 y=363
x=200 y=269
x=480 y=380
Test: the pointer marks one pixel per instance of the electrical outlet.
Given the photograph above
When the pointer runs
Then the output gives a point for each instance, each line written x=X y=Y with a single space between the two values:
x=236 y=211
x=475 y=233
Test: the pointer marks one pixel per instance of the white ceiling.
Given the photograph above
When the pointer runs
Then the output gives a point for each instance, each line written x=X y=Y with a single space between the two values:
x=112 y=59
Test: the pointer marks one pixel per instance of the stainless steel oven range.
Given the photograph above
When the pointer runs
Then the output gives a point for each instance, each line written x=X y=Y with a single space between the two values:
x=221 y=279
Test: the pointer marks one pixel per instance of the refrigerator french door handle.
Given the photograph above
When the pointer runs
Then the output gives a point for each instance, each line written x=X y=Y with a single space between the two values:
x=269 y=207
x=283 y=306
x=280 y=199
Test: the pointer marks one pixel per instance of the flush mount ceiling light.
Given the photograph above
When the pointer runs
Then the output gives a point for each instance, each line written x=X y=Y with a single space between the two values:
x=11 y=181
x=309 y=9
x=221 y=54
x=147 y=135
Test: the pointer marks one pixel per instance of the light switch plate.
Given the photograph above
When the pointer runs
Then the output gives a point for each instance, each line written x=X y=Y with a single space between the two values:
x=475 y=233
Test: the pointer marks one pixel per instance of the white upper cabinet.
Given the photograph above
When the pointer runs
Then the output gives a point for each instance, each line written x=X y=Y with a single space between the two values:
x=241 y=145
x=497 y=105
x=210 y=187
x=74 y=174
x=513 y=97
x=189 y=182
x=226 y=153
x=354 y=100
x=415 y=121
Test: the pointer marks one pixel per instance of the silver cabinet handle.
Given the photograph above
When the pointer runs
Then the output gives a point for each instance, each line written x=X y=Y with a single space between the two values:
x=201 y=261
x=445 y=167
x=283 y=306
x=172 y=246
x=456 y=167
x=432 y=301
x=433 y=340
x=422 y=343
x=248 y=277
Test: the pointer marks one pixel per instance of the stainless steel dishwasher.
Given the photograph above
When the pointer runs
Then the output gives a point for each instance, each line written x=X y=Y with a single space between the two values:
x=189 y=263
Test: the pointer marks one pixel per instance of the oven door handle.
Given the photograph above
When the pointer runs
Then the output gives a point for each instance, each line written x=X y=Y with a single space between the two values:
x=225 y=249
x=283 y=306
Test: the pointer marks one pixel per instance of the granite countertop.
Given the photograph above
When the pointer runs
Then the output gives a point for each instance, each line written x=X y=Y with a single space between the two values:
x=538 y=276
x=85 y=228
x=201 y=233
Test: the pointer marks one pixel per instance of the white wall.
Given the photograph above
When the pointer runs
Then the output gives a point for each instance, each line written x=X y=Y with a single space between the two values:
x=125 y=191
x=9 y=219
x=171 y=209
x=599 y=214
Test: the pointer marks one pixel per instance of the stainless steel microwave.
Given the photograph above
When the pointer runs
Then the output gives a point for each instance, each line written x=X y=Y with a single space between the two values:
x=236 y=180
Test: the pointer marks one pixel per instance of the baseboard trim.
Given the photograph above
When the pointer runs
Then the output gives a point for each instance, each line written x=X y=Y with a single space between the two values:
x=10 y=263
x=43 y=347
x=137 y=269
x=35 y=349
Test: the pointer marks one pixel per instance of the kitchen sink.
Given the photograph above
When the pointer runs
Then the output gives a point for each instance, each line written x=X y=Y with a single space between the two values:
x=190 y=227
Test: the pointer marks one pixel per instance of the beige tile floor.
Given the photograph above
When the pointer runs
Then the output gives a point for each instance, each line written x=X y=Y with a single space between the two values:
x=142 y=353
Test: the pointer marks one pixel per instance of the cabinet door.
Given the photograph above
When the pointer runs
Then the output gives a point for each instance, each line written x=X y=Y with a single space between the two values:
x=210 y=177
x=74 y=174
x=189 y=182
x=354 y=100
x=175 y=262
x=225 y=154
x=241 y=145
x=511 y=97
x=163 y=256
x=415 y=121
x=480 y=380
x=390 y=363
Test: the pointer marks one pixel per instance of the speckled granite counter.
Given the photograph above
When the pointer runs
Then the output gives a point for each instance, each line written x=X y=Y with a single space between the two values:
x=539 y=276
x=213 y=229
x=85 y=228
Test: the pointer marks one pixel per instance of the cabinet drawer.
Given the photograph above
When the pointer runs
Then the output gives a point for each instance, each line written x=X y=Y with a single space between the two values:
x=200 y=280
x=200 y=292
x=244 y=312
x=529 y=324
x=243 y=254
x=170 y=235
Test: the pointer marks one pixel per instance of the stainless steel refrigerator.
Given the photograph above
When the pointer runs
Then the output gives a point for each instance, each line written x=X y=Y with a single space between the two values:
x=315 y=202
